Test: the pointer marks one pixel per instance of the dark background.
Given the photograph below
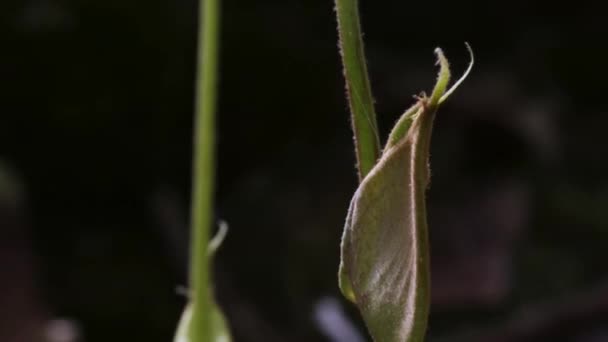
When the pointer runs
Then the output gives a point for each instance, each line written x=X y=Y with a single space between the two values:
x=95 y=157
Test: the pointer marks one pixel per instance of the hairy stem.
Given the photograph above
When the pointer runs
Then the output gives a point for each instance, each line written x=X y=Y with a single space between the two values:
x=361 y=102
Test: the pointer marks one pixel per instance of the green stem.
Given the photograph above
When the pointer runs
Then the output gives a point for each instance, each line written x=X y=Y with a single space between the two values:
x=358 y=88
x=203 y=171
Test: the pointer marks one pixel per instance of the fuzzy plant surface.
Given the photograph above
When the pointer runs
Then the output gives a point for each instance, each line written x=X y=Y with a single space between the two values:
x=384 y=267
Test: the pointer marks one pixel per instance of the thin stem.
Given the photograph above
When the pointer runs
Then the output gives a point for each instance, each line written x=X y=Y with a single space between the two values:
x=361 y=102
x=203 y=171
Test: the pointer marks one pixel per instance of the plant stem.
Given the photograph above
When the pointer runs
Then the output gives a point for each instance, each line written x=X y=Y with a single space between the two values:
x=361 y=102
x=203 y=170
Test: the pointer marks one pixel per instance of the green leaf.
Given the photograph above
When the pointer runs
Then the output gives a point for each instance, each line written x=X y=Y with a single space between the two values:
x=385 y=256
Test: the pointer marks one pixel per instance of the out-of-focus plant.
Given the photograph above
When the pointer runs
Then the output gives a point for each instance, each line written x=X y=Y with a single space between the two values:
x=202 y=320
x=384 y=267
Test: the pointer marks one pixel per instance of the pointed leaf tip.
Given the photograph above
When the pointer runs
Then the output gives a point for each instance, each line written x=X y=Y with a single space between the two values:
x=443 y=78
